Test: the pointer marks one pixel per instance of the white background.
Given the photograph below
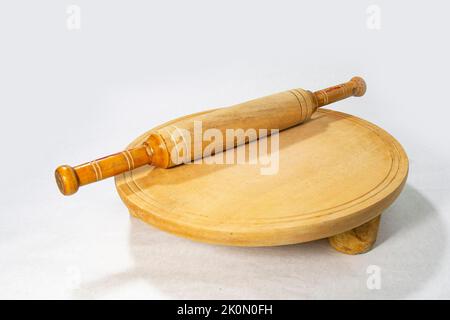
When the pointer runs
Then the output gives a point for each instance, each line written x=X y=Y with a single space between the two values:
x=68 y=96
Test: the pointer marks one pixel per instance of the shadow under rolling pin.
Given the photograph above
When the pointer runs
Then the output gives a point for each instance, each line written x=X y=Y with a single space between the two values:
x=278 y=111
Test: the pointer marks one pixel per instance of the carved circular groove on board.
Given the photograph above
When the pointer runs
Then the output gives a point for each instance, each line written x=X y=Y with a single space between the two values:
x=336 y=172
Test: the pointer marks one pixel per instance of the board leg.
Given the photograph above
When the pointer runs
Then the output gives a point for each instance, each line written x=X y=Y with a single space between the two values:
x=358 y=240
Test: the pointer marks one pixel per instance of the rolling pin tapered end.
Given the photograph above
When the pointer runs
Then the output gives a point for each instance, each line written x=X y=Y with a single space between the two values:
x=67 y=180
x=360 y=86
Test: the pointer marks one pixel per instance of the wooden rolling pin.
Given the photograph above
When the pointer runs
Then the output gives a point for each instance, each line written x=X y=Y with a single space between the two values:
x=278 y=111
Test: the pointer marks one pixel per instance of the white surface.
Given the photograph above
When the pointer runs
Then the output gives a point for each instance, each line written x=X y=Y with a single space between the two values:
x=70 y=96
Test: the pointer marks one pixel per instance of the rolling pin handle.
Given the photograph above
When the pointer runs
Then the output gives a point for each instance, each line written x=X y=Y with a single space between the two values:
x=355 y=87
x=69 y=179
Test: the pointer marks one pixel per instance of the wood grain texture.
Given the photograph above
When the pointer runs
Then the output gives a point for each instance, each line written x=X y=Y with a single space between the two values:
x=336 y=172
x=358 y=240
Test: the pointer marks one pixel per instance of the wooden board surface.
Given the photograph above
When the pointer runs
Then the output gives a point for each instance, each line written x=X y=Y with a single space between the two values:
x=336 y=172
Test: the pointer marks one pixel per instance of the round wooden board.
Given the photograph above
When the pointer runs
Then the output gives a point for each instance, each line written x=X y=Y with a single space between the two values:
x=335 y=173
